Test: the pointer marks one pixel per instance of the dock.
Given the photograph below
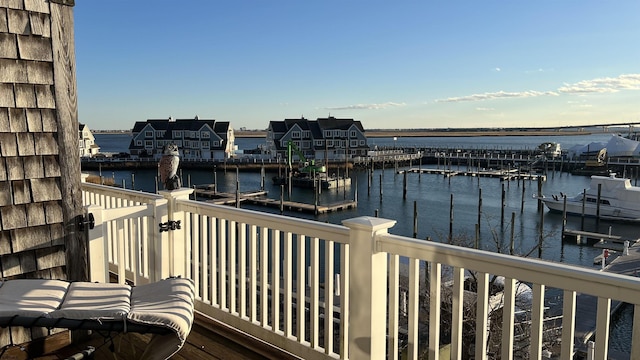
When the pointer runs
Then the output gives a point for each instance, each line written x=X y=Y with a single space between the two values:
x=304 y=207
x=506 y=175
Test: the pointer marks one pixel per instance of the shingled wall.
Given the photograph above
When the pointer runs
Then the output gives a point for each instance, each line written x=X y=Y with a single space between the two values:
x=39 y=164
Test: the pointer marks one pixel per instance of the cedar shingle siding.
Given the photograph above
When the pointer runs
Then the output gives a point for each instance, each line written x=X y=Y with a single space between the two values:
x=35 y=164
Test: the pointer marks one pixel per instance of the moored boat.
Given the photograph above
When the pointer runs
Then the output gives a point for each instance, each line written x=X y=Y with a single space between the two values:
x=608 y=197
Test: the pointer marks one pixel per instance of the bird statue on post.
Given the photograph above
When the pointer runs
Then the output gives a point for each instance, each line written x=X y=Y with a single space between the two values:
x=168 y=167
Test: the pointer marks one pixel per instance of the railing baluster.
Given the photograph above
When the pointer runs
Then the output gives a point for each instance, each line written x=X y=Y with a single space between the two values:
x=314 y=290
x=482 y=311
x=508 y=316
x=288 y=284
x=275 y=280
x=242 y=268
x=214 y=257
x=457 y=311
x=193 y=241
x=435 y=280
x=568 y=324
x=206 y=260
x=233 y=267
x=393 y=307
x=222 y=259
x=413 y=311
x=345 y=275
x=300 y=289
x=264 y=277
x=537 y=322
x=602 y=328
x=329 y=287
x=253 y=273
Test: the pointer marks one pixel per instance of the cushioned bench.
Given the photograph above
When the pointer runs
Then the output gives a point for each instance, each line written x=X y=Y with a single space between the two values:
x=163 y=308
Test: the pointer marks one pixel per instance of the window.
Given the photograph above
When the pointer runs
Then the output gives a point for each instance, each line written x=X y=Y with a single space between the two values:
x=193 y=134
x=295 y=134
x=148 y=144
x=159 y=144
x=319 y=142
x=148 y=134
x=177 y=134
x=138 y=142
x=327 y=133
x=205 y=135
x=215 y=143
x=353 y=143
x=330 y=143
x=159 y=134
x=353 y=133
x=306 y=134
x=362 y=143
x=205 y=144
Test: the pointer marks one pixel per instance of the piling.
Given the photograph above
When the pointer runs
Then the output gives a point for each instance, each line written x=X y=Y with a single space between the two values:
x=404 y=186
x=479 y=205
x=415 y=219
x=512 y=240
x=503 y=203
x=522 y=200
x=584 y=202
x=380 y=187
x=451 y=220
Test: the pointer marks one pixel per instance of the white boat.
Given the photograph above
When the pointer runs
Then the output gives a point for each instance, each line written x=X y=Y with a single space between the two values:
x=619 y=200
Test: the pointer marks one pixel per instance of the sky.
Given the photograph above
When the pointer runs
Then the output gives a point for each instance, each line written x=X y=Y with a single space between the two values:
x=389 y=64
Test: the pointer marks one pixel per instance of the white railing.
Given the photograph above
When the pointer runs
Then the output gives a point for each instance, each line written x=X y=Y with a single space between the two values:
x=351 y=291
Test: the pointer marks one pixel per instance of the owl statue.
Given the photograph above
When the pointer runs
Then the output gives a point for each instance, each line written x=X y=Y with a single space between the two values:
x=168 y=167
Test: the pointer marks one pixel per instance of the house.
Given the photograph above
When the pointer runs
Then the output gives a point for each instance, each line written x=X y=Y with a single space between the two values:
x=196 y=138
x=88 y=146
x=325 y=138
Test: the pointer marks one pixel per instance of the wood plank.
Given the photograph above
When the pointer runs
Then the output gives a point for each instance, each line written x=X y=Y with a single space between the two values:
x=63 y=48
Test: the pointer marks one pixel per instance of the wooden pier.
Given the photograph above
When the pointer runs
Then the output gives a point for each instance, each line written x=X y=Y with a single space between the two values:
x=505 y=175
x=304 y=207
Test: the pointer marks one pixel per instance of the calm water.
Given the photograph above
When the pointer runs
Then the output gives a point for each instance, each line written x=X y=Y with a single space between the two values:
x=432 y=196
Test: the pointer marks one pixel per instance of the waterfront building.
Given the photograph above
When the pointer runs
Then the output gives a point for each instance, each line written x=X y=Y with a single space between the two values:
x=325 y=138
x=196 y=138
x=88 y=146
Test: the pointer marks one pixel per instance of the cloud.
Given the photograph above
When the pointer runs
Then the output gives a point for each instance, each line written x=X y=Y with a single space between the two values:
x=497 y=69
x=600 y=85
x=498 y=95
x=485 y=109
x=367 y=106
x=603 y=85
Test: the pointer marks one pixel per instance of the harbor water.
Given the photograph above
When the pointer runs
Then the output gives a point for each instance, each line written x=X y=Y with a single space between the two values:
x=430 y=198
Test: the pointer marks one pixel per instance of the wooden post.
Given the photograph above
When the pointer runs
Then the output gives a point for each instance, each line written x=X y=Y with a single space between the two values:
x=66 y=115
x=584 y=203
x=237 y=187
x=479 y=205
x=502 y=206
x=451 y=219
x=404 y=186
x=415 y=219
x=564 y=215
x=513 y=230
x=522 y=200
x=381 y=187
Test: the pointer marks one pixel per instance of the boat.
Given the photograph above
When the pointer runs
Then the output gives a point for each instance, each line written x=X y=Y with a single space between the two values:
x=618 y=200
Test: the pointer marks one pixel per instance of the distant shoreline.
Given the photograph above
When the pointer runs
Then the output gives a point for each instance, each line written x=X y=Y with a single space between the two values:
x=418 y=133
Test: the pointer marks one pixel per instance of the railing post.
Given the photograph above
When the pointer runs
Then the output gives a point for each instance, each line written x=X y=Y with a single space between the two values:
x=159 y=242
x=177 y=244
x=98 y=251
x=368 y=288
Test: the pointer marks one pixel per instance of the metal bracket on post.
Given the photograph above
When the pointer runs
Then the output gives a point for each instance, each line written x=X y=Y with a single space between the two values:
x=169 y=225
x=81 y=221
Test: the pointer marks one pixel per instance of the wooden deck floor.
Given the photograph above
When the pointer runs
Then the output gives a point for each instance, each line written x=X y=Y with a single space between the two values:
x=208 y=340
